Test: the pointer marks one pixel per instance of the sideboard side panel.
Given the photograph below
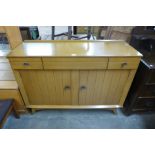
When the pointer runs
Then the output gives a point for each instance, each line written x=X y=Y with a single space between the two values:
x=127 y=86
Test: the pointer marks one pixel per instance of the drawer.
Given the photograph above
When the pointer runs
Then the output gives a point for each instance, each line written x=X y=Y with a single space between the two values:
x=75 y=63
x=123 y=63
x=26 y=63
x=148 y=91
x=145 y=103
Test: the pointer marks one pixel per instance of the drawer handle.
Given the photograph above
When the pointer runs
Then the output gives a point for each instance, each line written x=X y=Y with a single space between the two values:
x=82 y=87
x=67 y=88
x=26 y=64
x=124 y=64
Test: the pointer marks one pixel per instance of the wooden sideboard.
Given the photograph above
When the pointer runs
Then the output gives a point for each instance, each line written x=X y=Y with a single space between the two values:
x=74 y=74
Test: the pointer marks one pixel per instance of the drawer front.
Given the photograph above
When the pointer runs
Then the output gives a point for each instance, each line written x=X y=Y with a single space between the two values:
x=75 y=63
x=148 y=91
x=26 y=63
x=145 y=103
x=123 y=63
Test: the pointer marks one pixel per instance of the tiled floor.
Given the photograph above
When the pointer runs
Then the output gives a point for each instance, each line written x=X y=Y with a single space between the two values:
x=81 y=119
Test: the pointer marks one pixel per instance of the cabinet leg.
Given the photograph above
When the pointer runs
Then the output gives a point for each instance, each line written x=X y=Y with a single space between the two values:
x=33 y=111
x=114 y=110
x=15 y=112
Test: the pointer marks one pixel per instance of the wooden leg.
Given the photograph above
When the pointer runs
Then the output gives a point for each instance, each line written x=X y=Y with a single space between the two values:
x=16 y=114
x=33 y=111
x=114 y=110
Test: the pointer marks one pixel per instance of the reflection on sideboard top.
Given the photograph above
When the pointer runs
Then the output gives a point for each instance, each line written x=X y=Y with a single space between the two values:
x=74 y=48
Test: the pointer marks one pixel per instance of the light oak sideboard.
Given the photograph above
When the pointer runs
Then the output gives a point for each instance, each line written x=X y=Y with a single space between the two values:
x=74 y=74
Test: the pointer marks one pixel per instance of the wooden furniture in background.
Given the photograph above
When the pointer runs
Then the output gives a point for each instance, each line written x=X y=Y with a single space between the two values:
x=25 y=33
x=141 y=96
x=8 y=85
x=2 y=30
x=6 y=107
x=13 y=35
x=74 y=74
x=9 y=89
x=115 y=33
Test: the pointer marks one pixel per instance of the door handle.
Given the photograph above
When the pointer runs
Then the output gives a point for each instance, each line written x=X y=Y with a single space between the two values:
x=26 y=64
x=67 y=88
x=82 y=87
x=124 y=64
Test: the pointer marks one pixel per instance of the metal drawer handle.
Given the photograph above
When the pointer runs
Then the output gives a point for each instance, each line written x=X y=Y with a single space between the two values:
x=124 y=64
x=67 y=88
x=82 y=87
x=26 y=64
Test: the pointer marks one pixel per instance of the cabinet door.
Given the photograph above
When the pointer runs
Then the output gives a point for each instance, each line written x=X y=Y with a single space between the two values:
x=50 y=87
x=102 y=87
x=63 y=87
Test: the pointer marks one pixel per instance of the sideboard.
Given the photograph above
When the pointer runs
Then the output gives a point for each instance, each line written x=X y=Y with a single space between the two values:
x=74 y=74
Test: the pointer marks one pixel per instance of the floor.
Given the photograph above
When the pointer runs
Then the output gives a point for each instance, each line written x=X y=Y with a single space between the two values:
x=81 y=119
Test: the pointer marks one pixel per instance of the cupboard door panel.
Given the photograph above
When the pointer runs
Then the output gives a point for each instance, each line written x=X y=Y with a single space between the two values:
x=83 y=83
x=50 y=87
x=102 y=87
x=115 y=81
x=91 y=87
x=35 y=86
x=63 y=87
x=75 y=87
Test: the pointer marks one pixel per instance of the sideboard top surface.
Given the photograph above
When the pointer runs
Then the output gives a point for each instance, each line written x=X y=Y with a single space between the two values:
x=74 y=48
